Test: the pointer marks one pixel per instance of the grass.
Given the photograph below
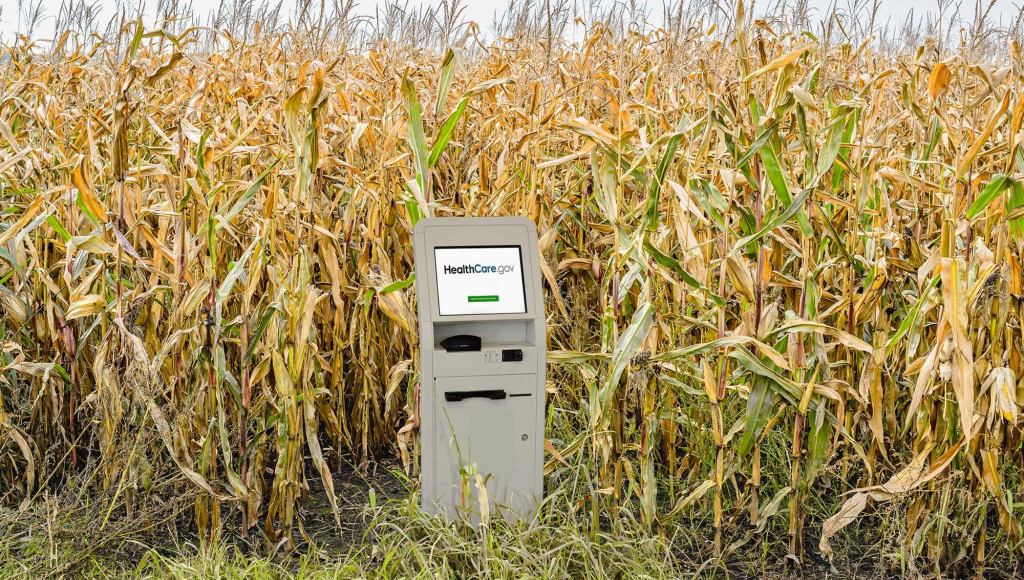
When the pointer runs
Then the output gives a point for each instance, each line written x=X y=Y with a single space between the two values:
x=401 y=541
x=781 y=260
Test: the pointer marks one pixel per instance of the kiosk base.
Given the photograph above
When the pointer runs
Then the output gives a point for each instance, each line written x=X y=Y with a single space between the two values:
x=484 y=427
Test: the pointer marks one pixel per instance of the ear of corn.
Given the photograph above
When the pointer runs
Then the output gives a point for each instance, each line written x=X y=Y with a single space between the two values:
x=779 y=270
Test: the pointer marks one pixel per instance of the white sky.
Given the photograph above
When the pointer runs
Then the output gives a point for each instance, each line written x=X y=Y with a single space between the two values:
x=482 y=11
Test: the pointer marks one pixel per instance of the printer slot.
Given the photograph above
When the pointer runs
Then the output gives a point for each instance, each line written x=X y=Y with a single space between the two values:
x=493 y=394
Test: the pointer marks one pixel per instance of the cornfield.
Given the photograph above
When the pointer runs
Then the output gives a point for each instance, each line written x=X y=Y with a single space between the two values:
x=783 y=272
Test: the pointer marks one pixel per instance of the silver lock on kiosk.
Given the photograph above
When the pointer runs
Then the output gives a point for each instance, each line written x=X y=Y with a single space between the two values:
x=482 y=364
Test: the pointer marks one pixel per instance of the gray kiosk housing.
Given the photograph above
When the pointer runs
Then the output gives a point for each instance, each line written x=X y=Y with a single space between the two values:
x=484 y=408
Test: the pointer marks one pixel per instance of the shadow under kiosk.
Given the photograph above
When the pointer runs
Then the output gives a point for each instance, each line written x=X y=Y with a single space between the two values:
x=483 y=357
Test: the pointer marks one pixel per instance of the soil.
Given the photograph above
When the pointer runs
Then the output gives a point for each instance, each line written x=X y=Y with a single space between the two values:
x=352 y=488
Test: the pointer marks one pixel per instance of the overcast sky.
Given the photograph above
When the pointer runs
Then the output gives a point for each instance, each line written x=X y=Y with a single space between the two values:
x=482 y=11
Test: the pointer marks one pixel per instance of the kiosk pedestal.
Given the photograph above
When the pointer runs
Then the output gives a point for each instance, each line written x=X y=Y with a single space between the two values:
x=482 y=364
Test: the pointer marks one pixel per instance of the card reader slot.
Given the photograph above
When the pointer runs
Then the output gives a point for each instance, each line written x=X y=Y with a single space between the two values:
x=493 y=394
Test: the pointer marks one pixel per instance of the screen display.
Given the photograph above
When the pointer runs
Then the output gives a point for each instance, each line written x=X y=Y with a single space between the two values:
x=480 y=280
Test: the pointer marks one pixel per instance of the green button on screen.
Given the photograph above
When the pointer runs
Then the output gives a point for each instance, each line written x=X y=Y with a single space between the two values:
x=487 y=298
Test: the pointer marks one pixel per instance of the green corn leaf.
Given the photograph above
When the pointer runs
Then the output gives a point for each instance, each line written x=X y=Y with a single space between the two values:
x=910 y=317
x=447 y=70
x=133 y=46
x=677 y=268
x=417 y=142
x=654 y=193
x=627 y=345
x=260 y=330
x=413 y=207
x=607 y=329
x=58 y=227
x=787 y=388
x=80 y=203
x=997 y=185
x=773 y=169
x=830 y=228
x=773 y=223
x=711 y=345
x=760 y=141
x=830 y=148
x=817 y=440
x=201 y=157
x=398 y=285
x=933 y=138
x=759 y=410
x=851 y=124
x=710 y=199
x=1015 y=206
x=237 y=269
x=444 y=134
x=249 y=192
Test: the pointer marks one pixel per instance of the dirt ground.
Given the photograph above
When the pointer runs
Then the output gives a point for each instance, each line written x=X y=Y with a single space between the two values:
x=352 y=488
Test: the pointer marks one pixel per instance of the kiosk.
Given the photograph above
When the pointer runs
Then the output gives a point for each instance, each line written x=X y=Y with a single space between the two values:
x=482 y=364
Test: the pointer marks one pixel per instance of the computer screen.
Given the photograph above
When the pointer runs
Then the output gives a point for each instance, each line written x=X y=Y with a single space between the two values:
x=480 y=280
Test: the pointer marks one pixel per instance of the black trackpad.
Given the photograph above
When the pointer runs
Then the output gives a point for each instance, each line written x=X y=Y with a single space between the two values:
x=461 y=342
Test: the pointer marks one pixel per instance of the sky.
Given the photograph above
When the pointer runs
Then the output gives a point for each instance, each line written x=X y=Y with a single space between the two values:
x=483 y=11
